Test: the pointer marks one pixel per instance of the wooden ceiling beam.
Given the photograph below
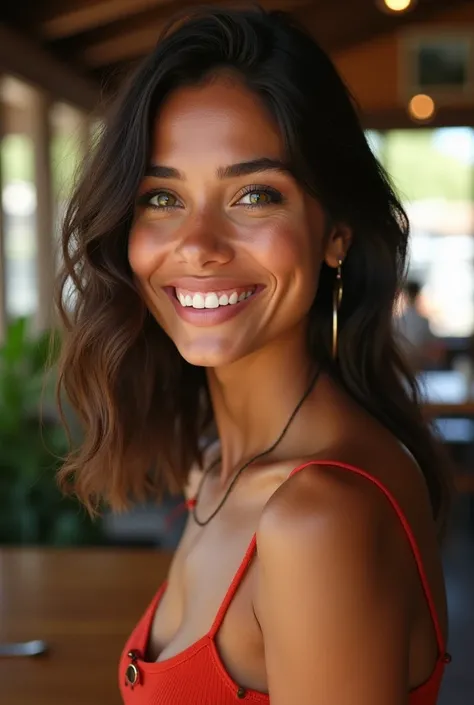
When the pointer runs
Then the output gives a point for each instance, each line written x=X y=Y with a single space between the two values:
x=79 y=17
x=125 y=41
x=122 y=48
x=23 y=58
x=131 y=39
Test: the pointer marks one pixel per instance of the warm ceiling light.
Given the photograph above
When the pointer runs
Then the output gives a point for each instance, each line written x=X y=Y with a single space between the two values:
x=421 y=107
x=397 y=5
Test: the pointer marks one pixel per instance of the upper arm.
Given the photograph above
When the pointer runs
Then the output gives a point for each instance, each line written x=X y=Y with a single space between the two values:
x=333 y=614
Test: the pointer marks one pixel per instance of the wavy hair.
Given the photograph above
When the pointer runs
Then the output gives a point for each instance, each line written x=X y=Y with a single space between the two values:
x=144 y=410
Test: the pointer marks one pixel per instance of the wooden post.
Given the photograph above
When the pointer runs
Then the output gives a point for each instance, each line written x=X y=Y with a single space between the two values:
x=41 y=134
x=3 y=284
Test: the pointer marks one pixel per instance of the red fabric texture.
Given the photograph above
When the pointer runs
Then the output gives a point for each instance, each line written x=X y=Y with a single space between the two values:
x=197 y=676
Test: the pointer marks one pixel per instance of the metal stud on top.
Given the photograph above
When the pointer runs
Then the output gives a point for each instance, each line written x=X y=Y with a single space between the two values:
x=132 y=674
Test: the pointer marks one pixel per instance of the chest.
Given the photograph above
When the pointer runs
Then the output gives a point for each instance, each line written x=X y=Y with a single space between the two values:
x=211 y=585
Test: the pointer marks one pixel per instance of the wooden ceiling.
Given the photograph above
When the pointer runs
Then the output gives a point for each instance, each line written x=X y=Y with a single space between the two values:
x=96 y=36
x=97 y=40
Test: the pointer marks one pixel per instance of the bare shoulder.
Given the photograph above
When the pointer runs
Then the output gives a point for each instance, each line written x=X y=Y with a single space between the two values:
x=362 y=441
x=324 y=517
x=320 y=498
x=354 y=503
x=328 y=572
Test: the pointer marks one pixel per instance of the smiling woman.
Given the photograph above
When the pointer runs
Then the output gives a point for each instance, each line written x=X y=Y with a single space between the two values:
x=236 y=251
x=204 y=231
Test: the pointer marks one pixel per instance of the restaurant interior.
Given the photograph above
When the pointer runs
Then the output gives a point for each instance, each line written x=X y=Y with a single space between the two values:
x=75 y=587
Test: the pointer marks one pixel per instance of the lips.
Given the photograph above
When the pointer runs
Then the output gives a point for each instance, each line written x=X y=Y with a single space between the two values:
x=207 y=302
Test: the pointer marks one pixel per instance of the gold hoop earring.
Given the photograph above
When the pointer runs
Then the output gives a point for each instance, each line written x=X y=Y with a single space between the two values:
x=336 y=305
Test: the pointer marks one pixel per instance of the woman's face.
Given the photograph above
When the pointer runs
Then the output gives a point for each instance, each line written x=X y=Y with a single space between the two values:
x=225 y=246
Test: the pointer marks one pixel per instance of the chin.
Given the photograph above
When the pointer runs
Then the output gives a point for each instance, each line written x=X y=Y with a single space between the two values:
x=211 y=353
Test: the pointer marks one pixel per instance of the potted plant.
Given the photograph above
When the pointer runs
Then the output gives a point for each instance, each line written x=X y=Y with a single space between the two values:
x=32 y=445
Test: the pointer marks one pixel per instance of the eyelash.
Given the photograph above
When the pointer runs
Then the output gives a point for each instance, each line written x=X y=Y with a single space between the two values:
x=275 y=197
x=145 y=199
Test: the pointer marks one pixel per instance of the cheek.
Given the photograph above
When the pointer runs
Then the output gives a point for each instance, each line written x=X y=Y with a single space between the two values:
x=145 y=254
x=292 y=254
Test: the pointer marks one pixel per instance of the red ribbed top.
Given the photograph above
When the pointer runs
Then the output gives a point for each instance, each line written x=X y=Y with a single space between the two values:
x=197 y=676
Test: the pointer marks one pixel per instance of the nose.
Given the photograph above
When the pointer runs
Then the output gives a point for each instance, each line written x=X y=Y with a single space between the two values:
x=203 y=243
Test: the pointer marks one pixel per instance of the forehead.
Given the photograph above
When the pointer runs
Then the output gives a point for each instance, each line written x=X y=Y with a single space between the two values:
x=221 y=121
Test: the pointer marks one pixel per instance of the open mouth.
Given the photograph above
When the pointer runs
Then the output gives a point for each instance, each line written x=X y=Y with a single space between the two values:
x=213 y=299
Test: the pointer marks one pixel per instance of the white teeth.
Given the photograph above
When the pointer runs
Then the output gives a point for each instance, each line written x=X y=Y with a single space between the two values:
x=198 y=301
x=211 y=301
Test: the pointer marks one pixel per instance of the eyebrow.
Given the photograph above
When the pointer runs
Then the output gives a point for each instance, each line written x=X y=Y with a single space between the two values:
x=228 y=172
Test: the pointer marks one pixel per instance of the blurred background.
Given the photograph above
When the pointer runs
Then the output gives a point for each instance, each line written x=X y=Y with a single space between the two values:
x=410 y=67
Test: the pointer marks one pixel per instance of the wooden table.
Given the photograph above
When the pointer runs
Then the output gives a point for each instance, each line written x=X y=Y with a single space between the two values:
x=84 y=603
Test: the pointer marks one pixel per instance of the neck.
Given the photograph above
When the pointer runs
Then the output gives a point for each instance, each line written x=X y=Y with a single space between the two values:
x=254 y=397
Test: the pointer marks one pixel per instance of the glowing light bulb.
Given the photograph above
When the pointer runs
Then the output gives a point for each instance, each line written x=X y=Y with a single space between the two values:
x=421 y=107
x=397 y=5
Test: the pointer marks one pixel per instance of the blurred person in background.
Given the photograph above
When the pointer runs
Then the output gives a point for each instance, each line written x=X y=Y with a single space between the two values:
x=423 y=349
x=236 y=250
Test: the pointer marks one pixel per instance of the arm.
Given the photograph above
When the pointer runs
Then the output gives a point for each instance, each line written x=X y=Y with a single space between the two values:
x=331 y=604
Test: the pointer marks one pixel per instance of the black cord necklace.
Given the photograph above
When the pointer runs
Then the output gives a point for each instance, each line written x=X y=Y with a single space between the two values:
x=249 y=462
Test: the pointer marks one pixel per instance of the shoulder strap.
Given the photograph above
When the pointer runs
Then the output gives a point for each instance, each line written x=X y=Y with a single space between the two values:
x=238 y=577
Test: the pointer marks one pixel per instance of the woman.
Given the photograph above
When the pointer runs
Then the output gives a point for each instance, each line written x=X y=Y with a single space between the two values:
x=235 y=251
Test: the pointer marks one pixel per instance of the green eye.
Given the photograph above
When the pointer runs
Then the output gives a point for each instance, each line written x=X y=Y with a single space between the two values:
x=260 y=197
x=163 y=200
x=257 y=197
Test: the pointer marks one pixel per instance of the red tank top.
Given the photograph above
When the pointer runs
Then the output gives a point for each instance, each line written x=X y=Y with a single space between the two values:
x=197 y=676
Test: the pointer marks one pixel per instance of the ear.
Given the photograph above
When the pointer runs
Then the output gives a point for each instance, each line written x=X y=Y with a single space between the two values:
x=338 y=243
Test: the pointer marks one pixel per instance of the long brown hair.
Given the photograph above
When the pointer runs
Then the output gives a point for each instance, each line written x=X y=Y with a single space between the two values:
x=144 y=410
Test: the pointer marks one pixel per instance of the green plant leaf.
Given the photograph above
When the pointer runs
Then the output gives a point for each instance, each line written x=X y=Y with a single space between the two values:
x=15 y=339
x=32 y=446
